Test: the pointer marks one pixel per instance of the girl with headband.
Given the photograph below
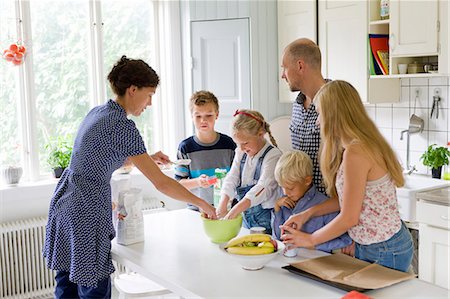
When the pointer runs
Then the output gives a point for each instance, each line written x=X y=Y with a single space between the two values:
x=251 y=182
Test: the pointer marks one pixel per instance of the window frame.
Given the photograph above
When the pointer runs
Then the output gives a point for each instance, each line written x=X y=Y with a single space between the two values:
x=26 y=104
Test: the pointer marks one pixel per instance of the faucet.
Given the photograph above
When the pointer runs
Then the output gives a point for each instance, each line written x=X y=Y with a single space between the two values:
x=409 y=169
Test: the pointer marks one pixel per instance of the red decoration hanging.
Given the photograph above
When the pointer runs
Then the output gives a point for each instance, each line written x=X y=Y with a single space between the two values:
x=15 y=53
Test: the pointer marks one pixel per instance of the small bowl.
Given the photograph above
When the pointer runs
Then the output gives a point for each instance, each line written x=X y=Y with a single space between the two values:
x=221 y=231
x=254 y=262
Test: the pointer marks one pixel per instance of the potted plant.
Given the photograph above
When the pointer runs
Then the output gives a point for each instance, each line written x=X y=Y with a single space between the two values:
x=435 y=157
x=59 y=153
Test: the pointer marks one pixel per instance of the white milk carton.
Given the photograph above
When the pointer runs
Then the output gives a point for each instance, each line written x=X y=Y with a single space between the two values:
x=130 y=224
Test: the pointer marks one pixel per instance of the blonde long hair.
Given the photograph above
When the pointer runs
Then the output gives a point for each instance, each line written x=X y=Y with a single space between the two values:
x=252 y=122
x=342 y=115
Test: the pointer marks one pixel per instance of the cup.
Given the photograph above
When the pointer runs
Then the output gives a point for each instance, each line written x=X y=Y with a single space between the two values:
x=402 y=68
x=290 y=252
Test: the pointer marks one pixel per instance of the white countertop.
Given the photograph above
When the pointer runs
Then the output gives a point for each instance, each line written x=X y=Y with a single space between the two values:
x=178 y=255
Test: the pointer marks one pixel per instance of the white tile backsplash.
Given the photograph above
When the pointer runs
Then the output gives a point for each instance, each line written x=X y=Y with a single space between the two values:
x=437 y=138
x=398 y=143
x=387 y=134
x=414 y=159
x=418 y=82
x=404 y=82
x=404 y=98
x=437 y=81
x=419 y=100
x=371 y=113
x=440 y=123
x=383 y=117
x=419 y=141
x=400 y=118
x=391 y=119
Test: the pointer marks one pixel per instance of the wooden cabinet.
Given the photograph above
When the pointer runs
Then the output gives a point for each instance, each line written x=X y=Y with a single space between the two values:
x=418 y=32
x=343 y=40
x=434 y=243
x=296 y=19
x=414 y=28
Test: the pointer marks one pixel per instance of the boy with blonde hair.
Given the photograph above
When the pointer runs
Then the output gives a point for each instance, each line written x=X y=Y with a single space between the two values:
x=294 y=173
x=207 y=149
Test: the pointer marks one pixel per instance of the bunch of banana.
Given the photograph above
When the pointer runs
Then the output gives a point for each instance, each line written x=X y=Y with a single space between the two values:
x=253 y=244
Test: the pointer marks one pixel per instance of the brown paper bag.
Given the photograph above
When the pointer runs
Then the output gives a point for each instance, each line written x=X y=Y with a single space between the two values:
x=344 y=269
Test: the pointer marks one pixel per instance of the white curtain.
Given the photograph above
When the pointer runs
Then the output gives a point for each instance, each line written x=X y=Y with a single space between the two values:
x=168 y=115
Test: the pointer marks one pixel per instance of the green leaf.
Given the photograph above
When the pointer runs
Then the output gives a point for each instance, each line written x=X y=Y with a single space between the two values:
x=435 y=156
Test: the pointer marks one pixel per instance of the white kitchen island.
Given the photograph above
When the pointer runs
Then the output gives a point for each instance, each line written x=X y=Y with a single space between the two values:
x=178 y=255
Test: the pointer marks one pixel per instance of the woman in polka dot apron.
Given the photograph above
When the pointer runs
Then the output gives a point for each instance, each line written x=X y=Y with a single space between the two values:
x=361 y=170
x=80 y=229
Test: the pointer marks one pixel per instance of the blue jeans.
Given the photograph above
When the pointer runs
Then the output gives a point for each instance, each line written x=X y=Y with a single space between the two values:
x=254 y=216
x=65 y=289
x=395 y=253
x=258 y=216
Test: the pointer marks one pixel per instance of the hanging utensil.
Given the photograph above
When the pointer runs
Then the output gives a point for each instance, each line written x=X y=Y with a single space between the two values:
x=436 y=100
x=416 y=123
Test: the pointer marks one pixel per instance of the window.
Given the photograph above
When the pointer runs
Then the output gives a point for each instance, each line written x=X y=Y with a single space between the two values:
x=135 y=23
x=69 y=43
x=60 y=69
x=10 y=142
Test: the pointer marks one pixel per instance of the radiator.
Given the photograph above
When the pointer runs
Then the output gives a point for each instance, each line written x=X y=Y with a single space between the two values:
x=23 y=271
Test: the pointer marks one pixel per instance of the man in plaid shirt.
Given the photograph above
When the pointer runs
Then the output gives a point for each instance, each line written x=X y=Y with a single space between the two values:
x=301 y=65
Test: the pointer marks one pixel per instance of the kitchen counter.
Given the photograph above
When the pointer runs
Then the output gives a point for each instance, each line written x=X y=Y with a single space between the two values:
x=178 y=255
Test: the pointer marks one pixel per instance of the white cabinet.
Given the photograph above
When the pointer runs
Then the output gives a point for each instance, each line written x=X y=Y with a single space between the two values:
x=414 y=28
x=434 y=243
x=296 y=19
x=343 y=42
x=418 y=32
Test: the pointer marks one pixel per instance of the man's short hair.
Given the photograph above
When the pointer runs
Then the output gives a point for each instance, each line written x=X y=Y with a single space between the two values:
x=306 y=50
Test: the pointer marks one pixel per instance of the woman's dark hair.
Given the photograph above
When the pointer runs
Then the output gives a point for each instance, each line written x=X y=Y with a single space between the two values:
x=127 y=72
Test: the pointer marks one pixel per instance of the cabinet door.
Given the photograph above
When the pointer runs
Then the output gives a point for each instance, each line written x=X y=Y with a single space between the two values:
x=413 y=27
x=343 y=42
x=434 y=252
x=296 y=19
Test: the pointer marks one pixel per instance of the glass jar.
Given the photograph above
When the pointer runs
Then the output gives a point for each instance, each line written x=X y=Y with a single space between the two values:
x=446 y=168
x=220 y=175
x=384 y=9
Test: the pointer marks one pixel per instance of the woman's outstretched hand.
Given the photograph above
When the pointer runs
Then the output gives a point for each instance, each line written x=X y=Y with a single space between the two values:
x=296 y=238
x=160 y=158
x=208 y=211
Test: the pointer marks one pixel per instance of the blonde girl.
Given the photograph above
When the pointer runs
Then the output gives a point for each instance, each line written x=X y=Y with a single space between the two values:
x=361 y=170
x=251 y=176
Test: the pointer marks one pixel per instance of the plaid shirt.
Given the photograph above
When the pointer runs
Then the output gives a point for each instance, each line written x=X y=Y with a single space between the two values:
x=305 y=135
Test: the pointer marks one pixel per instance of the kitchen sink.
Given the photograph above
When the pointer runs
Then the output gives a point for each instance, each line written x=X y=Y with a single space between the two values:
x=407 y=194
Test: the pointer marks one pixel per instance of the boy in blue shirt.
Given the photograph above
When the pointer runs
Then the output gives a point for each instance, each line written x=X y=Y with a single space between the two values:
x=294 y=173
x=207 y=149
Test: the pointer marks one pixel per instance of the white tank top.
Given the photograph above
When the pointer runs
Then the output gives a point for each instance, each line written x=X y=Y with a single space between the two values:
x=379 y=219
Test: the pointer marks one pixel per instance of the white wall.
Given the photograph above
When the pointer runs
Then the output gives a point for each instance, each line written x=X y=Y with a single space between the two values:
x=30 y=200
x=391 y=119
x=265 y=61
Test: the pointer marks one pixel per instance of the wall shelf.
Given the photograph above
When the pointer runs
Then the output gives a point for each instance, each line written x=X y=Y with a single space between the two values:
x=379 y=22
x=418 y=75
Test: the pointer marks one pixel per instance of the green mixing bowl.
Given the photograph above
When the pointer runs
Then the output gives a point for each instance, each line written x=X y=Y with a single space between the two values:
x=220 y=231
